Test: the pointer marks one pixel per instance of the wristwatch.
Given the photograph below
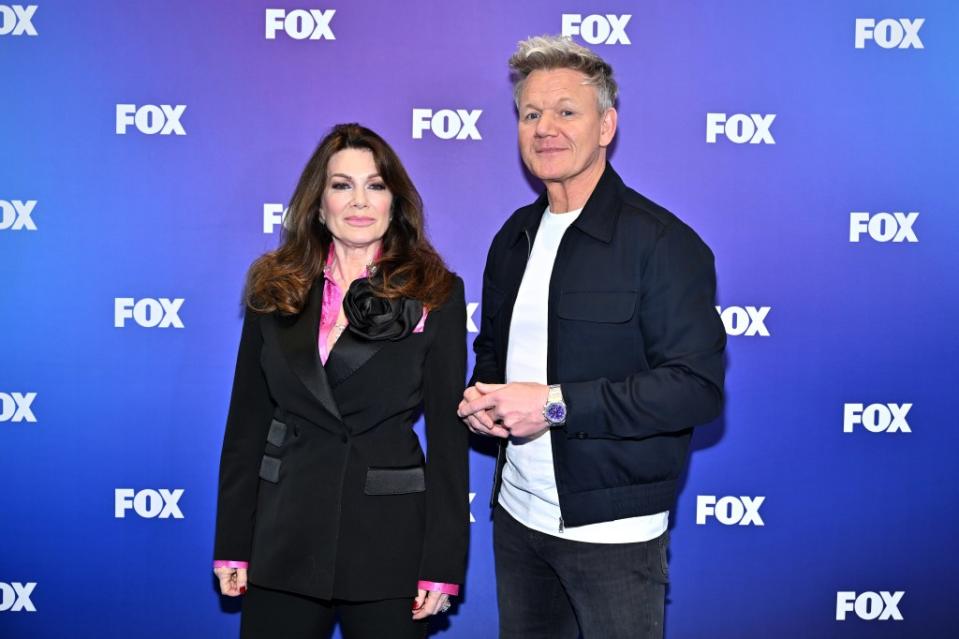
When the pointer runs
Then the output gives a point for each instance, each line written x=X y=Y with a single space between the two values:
x=555 y=409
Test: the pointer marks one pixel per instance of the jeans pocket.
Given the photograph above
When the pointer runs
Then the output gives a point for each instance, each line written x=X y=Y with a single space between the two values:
x=662 y=546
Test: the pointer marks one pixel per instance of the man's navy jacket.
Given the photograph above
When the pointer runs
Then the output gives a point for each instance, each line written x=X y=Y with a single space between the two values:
x=634 y=339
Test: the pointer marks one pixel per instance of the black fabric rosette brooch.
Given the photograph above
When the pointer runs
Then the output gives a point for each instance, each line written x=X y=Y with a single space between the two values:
x=377 y=318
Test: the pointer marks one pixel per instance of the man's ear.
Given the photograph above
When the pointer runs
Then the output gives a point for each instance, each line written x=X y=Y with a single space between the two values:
x=607 y=126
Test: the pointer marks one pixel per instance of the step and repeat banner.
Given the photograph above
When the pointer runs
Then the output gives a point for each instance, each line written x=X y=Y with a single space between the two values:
x=147 y=153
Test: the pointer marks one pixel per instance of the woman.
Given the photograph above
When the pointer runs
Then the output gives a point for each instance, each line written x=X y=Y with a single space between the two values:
x=352 y=326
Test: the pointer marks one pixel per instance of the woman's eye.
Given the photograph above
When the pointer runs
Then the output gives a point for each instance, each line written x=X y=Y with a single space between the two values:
x=531 y=116
x=340 y=186
x=378 y=186
x=567 y=113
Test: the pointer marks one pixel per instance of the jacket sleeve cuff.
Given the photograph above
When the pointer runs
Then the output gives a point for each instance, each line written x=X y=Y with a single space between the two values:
x=584 y=419
x=436 y=586
x=221 y=563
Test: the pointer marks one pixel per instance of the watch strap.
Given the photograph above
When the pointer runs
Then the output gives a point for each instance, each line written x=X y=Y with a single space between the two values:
x=555 y=394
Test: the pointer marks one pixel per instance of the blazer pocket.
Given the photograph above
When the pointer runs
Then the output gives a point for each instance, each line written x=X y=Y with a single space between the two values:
x=270 y=468
x=610 y=307
x=395 y=481
x=277 y=434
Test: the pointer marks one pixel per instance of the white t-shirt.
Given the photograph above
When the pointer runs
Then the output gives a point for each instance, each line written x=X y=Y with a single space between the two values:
x=528 y=491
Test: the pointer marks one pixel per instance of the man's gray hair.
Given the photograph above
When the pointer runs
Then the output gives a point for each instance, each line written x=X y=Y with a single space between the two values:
x=544 y=53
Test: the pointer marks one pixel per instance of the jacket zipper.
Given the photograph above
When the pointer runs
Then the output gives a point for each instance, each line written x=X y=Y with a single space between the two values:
x=559 y=251
x=501 y=452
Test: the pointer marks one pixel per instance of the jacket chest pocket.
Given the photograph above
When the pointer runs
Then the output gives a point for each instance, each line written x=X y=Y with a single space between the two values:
x=276 y=438
x=602 y=307
x=598 y=335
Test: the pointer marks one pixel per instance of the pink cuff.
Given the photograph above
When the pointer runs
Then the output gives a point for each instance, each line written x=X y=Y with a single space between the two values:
x=436 y=586
x=219 y=563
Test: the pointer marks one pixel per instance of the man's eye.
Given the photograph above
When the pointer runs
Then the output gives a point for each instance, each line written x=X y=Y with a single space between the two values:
x=566 y=113
x=531 y=116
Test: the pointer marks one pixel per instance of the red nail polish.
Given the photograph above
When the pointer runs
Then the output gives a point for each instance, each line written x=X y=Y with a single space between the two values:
x=242 y=590
x=415 y=607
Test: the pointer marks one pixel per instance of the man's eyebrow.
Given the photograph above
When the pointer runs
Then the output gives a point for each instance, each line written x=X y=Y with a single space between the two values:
x=562 y=100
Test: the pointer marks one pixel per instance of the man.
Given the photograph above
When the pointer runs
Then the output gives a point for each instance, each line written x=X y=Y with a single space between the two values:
x=599 y=350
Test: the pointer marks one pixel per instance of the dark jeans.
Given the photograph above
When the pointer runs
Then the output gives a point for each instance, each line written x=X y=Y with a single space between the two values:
x=274 y=614
x=553 y=588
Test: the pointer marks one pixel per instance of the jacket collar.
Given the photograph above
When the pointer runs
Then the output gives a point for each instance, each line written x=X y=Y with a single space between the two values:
x=297 y=337
x=349 y=353
x=599 y=215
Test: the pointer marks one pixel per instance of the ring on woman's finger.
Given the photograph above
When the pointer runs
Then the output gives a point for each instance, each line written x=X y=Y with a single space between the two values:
x=446 y=606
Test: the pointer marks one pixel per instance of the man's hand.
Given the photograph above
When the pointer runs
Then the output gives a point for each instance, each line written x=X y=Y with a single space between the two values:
x=516 y=407
x=479 y=421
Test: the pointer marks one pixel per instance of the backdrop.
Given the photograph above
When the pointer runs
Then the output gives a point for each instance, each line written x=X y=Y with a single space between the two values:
x=147 y=150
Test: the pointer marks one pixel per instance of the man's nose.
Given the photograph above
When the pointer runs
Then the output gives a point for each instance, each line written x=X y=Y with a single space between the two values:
x=545 y=125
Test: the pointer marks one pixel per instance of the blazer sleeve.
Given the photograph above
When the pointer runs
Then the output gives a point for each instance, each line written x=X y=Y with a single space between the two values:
x=684 y=344
x=247 y=424
x=447 y=449
x=485 y=368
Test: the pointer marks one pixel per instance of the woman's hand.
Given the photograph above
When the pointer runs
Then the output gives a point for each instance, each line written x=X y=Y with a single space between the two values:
x=232 y=581
x=428 y=603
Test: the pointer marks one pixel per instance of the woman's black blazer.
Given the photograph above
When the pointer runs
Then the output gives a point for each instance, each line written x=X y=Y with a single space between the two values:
x=323 y=484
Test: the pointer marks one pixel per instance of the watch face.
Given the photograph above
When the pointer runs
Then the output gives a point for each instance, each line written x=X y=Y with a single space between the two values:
x=556 y=412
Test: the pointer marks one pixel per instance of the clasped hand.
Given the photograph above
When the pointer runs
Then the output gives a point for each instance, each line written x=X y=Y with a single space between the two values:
x=504 y=410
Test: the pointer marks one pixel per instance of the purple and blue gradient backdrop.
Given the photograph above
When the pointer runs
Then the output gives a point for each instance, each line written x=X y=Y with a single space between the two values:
x=169 y=216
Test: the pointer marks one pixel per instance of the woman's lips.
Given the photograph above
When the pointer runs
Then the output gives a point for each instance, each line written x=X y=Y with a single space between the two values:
x=356 y=220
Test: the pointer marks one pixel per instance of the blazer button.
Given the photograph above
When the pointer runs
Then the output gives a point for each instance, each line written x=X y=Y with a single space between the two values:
x=344 y=438
x=580 y=435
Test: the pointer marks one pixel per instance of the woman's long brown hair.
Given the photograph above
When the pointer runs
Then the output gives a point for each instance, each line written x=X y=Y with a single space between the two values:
x=409 y=265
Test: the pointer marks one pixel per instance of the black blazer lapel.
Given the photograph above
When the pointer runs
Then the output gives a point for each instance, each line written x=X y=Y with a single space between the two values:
x=348 y=355
x=297 y=337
